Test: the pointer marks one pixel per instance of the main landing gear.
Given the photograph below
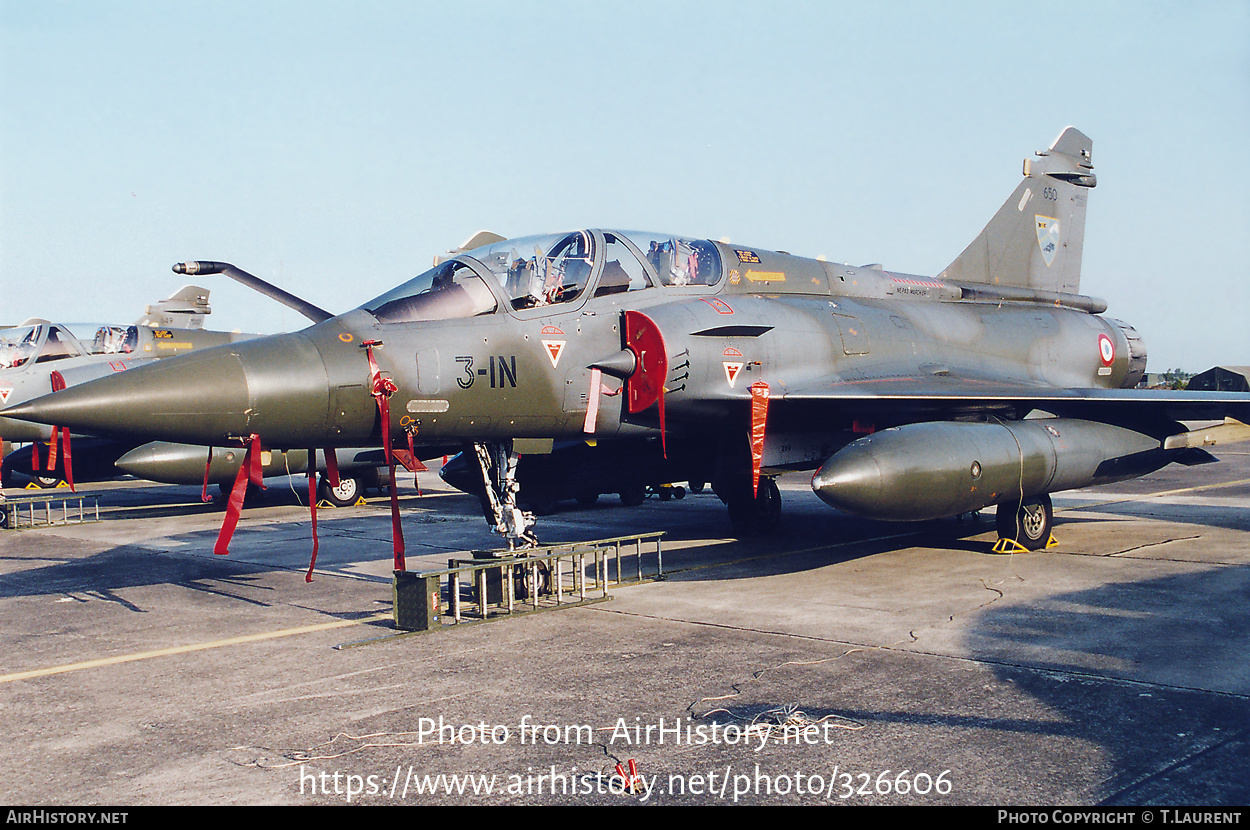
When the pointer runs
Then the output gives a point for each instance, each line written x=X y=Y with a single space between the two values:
x=47 y=481
x=753 y=514
x=1025 y=525
x=346 y=494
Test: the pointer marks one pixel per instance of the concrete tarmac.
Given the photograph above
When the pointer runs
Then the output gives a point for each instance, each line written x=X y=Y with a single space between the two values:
x=838 y=661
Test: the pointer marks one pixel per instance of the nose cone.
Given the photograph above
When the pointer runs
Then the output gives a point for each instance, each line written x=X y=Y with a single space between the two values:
x=205 y=393
x=19 y=432
x=273 y=386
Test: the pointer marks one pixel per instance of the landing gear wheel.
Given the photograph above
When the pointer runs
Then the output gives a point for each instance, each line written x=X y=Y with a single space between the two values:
x=761 y=514
x=47 y=482
x=1028 y=523
x=523 y=580
x=633 y=495
x=587 y=499
x=345 y=495
x=695 y=487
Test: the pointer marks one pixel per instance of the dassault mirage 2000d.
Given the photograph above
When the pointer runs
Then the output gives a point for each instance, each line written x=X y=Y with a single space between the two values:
x=993 y=383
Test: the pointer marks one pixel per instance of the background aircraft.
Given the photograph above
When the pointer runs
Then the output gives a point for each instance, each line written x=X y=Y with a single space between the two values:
x=39 y=355
x=993 y=383
x=30 y=353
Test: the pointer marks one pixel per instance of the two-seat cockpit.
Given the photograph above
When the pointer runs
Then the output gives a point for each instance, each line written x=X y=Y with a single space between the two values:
x=38 y=341
x=543 y=271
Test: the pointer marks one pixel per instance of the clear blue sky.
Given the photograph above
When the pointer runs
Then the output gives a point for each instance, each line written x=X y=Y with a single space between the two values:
x=335 y=147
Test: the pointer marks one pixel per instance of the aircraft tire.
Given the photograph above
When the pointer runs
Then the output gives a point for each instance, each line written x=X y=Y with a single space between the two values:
x=758 y=515
x=587 y=499
x=1029 y=522
x=522 y=581
x=47 y=482
x=346 y=494
x=633 y=495
x=696 y=487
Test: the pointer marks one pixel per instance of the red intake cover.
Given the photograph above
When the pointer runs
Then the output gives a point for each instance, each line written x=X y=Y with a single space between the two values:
x=642 y=337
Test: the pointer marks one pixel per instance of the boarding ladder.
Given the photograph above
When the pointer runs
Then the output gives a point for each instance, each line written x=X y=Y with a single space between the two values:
x=25 y=512
x=490 y=585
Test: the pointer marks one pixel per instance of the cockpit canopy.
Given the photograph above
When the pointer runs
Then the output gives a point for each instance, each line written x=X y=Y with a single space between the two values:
x=121 y=339
x=447 y=291
x=535 y=271
x=679 y=261
x=541 y=270
x=37 y=343
x=43 y=342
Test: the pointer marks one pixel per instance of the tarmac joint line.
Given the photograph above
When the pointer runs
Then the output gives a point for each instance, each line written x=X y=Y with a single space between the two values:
x=192 y=647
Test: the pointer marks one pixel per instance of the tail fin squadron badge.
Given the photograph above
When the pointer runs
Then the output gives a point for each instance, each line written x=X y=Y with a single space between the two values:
x=1047 y=237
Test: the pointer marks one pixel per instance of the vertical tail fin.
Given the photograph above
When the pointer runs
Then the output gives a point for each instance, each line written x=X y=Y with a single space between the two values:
x=1035 y=239
x=185 y=309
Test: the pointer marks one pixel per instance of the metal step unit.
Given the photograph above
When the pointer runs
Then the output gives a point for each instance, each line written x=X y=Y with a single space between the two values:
x=25 y=512
x=490 y=585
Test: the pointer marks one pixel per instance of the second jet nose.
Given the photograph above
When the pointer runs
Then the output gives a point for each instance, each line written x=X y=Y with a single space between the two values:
x=275 y=387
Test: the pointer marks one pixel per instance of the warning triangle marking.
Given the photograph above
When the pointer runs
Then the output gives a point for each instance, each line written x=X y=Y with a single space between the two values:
x=731 y=372
x=554 y=349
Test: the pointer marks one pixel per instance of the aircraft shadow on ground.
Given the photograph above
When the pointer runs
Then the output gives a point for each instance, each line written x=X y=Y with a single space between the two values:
x=1229 y=517
x=1140 y=688
x=1090 y=651
x=103 y=575
x=810 y=537
x=348 y=537
x=1151 y=672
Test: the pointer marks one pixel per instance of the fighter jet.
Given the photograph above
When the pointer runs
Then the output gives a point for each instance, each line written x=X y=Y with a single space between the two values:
x=995 y=382
x=40 y=356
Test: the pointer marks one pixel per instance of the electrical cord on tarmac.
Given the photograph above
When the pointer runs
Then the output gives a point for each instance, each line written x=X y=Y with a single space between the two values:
x=286 y=460
x=780 y=716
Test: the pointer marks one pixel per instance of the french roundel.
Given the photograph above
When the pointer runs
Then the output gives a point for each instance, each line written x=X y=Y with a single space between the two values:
x=1106 y=350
